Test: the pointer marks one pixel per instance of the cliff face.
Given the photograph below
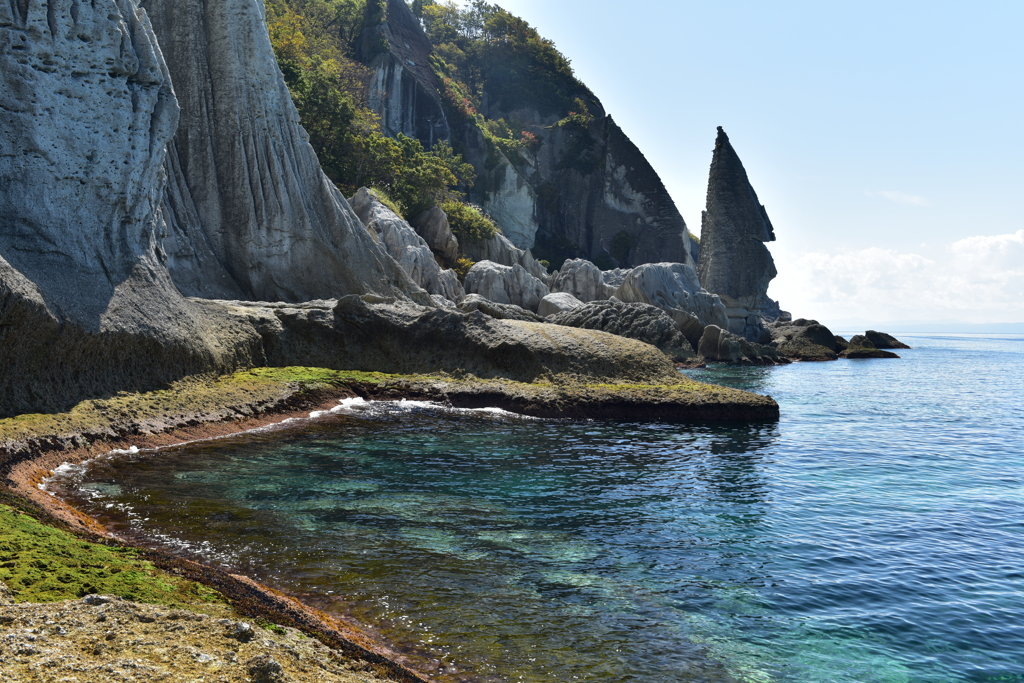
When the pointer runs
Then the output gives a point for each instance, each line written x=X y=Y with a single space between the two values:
x=86 y=306
x=586 y=191
x=734 y=262
x=249 y=214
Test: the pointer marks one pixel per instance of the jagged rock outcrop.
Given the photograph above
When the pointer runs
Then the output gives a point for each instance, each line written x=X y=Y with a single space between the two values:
x=475 y=302
x=881 y=340
x=398 y=336
x=722 y=346
x=86 y=306
x=499 y=249
x=734 y=262
x=505 y=284
x=638 y=321
x=249 y=213
x=583 y=280
x=404 y=90
x=558 y=302
x=674 y=288
x=803 y=339
x=586 y=191
x=406 y=246
x=862 y=346
x=615 y=277
x=432 y=225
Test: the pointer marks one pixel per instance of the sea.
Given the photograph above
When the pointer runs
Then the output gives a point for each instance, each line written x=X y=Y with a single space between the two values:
x=874 y=533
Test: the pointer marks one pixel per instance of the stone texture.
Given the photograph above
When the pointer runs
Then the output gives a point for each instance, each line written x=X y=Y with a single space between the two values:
x=862 y=346
x=405 y=246
x=723 y=346
x=86 y=306
x=673 y=287
x=881 y=340
x=248 y=212
x=505 y=285
x=404 y=90
x=586 y=192
x=432 y=226
x=583 y=280
x=475 y=302
x=803 y=339
x=500 y=250
x=638 y=321
x=558 y=302
x=615 y=277
x=392 y=335
x=734 y=262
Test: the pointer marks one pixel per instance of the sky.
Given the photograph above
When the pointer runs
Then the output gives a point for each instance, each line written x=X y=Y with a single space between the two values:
x=885 y=139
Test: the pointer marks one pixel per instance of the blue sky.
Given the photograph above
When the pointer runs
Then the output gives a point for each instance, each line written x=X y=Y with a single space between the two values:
x=885 y=139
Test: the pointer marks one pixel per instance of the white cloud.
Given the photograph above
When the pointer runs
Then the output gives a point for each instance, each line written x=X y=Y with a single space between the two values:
x=976 y=279
x=904 y=198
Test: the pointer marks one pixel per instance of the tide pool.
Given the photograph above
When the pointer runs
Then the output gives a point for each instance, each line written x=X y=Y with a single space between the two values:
x=875 y=533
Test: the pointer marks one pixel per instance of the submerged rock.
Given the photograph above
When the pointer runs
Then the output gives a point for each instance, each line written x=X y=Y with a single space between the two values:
x=642 y=322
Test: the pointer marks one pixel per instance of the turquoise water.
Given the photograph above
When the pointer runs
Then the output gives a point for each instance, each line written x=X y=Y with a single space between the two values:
x=875 y=533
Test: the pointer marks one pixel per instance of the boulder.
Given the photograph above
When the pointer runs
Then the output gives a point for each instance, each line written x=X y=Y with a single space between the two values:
x=432 y=226
x=583 y=280
x=734 y=262
x=638 y=321
x=505 y=284
x=557 y=302
x=405 y=246
x=475 y=302
x=672 y=287
x=499 y=249
x=840 y=344
x=718 y=345
x=862 y=346
x=881 y=340
x=804 y=340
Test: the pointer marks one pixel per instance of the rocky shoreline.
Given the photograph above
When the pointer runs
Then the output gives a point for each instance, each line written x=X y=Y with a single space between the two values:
x=32 y=446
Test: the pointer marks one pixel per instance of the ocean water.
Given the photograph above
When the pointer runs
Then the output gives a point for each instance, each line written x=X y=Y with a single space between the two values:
x=875 y=533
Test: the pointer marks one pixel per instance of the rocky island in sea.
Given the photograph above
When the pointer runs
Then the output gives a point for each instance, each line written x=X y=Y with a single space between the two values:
x=198 y=235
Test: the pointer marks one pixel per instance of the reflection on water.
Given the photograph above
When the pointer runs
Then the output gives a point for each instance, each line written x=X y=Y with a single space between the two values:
x=868 y=536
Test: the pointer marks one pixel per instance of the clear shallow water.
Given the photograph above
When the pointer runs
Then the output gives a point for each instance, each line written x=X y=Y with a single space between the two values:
x=876 y=533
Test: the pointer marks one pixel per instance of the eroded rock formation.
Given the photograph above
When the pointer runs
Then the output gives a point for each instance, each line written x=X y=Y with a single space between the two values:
x=674 y=288
x=583 y=280
x=406 y=247
x=249 y=214
x=638 y=321
x=734 y=262
x=506 y=285
x=86 y=306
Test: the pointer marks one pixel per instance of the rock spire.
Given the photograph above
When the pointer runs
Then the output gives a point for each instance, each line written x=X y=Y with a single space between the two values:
x=734 y=262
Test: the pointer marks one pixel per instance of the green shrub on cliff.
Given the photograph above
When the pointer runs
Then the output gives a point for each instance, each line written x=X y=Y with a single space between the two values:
x=468 y=222
x=314 y=43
